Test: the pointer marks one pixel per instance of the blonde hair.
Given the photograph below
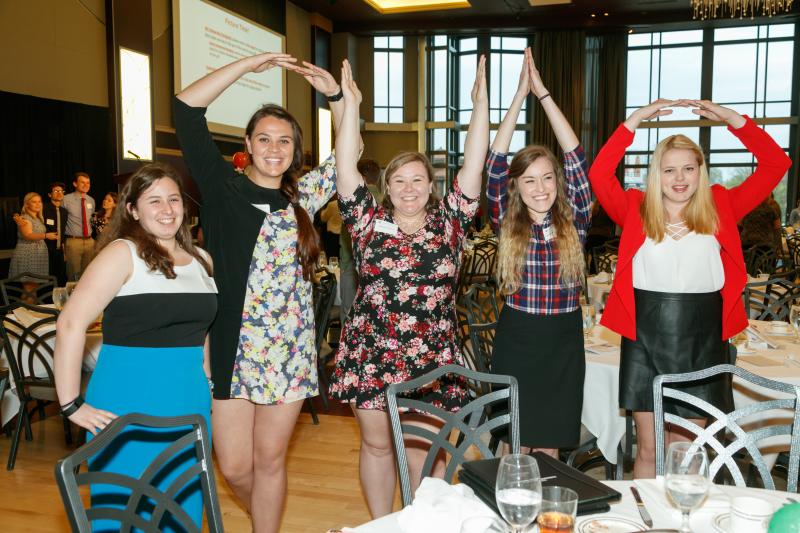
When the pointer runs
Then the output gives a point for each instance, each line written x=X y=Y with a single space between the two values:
x=28 y=197
x=515 y=229
x=700 y=213
x=394 y=165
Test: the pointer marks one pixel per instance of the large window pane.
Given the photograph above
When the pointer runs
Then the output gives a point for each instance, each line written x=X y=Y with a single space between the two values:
x=729 y=176
x=396 y=79
x=439 y=73
x=512 y=64
x=781 y=30
x=735 y=34
x=681 y=70
x=734 y=72
x=639 y=39
x=679 y=37
x=638 y=86
x=381 y=87
x=467 y=78
x=779 y=70
x=515 y=43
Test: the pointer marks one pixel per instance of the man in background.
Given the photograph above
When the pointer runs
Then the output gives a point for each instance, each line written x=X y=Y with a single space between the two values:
x=55 y=221
x=348 y=277
x=80 y=244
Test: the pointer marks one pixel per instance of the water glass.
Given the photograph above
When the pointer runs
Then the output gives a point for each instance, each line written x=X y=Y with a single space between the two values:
x=588 y=313
x=686 y=478
x=322 y=260
x=333 y=262
x=613 y=269
x=559 y=508
x=71 y=287
x=518 y=490
x=60 y=297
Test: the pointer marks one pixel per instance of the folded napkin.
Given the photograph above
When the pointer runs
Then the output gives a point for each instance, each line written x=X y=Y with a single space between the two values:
x=757 y=340
x=665 y=514
x=600 y=347
x=27 y=318
x=439 y=507
x=602 y=277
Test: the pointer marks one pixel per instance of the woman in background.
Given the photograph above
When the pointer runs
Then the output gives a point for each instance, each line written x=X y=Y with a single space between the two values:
x=540 y=211
x=154 y=363
x=30 y=254
x=101 y=218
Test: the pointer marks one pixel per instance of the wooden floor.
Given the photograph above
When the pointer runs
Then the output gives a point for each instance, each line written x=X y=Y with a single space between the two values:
x=324 y=490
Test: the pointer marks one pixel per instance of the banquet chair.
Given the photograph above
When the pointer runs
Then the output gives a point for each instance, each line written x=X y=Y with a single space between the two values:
x=723 y=434
x=770 y=299
x=482 y=313
x=760 y=260
x=324 y=294
x=29 y=350
x=463 y=430
x=161 y=505
x=13 y=290
x=478 y=265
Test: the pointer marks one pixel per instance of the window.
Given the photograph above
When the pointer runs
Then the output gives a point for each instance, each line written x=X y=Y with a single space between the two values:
x=746 y=68
x=388 y=86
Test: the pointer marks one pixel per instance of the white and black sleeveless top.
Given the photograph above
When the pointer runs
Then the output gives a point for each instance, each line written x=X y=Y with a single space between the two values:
x=153 y=311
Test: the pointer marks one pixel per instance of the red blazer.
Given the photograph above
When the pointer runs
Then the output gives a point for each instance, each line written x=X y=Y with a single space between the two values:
x=732 y=204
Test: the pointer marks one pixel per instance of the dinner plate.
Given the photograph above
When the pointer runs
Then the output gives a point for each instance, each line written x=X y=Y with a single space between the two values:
x=609 y=524
x=722 y=522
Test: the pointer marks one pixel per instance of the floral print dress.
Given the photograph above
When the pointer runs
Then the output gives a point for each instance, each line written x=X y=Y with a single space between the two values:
x=403 y=321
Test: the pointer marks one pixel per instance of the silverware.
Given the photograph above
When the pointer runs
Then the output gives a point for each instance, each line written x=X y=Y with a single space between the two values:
x=642 y=511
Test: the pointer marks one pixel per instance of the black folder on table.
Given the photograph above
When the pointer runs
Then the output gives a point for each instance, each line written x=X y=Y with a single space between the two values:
x=593 y=496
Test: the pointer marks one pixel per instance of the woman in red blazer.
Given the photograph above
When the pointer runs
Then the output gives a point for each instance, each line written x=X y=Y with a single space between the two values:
x=680 y=271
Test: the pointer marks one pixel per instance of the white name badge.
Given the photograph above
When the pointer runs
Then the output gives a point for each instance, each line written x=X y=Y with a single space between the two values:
x=50 y=222
x=384 y=226
x=263 y=207
x=549 y=233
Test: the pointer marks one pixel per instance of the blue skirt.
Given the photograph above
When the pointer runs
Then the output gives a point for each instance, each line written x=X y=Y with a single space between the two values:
x=153 y=381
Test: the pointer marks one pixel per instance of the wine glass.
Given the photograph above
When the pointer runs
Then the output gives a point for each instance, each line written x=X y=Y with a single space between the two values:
x=518 y=490
x=60 y=297
x=588 y=312
x=794 y=319
x=71 y=287
x=686 y=478
x=333 y=262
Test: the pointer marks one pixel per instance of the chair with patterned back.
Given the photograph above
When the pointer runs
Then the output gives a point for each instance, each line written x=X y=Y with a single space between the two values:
x=482 y=313
x=464 y=430
x=759 y=260
x=148 y=508
x=324 y=294
x=28 y=335
x=770 y=299
x=479 y=264
x=793 y=249
x=14 y=290
x=723 y=435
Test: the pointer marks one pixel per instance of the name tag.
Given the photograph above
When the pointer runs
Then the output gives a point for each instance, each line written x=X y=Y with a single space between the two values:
x=50 y=222
x=549 y=233
x=262 y=207
x=384 y=226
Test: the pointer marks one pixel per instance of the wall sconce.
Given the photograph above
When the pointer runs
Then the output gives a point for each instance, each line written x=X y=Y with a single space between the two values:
x=135 y=105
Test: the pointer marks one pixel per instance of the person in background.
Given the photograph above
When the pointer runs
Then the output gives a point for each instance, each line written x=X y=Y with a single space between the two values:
x=403 y=322
x=601 y=230
x=370 y=171
x=539 y=209
x=761 y=227
x=258 y=227
x=330 y=216
x=80 y=244
x=677 y=293
x=55 y=219
x=158 y=299
x=101 y=218
x=794 y=216
x=30 y=254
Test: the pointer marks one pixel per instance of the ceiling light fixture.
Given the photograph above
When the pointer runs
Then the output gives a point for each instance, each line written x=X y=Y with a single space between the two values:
x=385 y=7
x=707 y=9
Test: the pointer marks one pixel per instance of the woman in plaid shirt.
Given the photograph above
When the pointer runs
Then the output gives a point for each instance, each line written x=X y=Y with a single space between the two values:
x=541 y=212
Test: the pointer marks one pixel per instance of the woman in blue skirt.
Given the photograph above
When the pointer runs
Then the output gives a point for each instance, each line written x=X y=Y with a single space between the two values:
x=158 y=300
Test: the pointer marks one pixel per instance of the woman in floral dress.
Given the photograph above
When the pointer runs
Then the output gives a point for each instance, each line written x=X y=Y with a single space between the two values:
x=407 y=251
x=259 y=231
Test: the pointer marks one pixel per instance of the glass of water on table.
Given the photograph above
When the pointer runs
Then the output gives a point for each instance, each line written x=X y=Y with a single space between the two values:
x=686 y=478
x=518 y=490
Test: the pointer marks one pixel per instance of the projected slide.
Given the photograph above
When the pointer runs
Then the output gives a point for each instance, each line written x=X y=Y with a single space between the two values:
x=207 y=37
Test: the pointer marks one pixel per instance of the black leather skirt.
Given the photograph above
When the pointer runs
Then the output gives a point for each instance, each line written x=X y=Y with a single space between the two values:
x=675 y=333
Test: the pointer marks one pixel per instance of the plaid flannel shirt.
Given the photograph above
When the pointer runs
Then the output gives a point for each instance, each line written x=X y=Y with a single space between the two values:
x=541 y=291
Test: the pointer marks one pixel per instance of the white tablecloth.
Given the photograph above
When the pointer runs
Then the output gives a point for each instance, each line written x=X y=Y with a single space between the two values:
x=10 y=405
x=603 y=418
x=662 y=513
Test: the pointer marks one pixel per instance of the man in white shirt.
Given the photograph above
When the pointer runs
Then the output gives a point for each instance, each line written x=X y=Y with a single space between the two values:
x=80 y=244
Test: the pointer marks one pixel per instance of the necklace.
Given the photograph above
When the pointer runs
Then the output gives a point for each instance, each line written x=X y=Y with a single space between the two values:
x=411 y=225
x=677 y=230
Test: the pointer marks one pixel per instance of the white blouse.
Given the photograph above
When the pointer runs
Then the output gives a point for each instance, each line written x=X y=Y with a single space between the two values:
x=691 y=264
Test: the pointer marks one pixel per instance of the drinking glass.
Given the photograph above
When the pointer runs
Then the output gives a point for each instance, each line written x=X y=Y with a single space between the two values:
x=559 y=508
x=70 y=287
x=333 y=262
x=794 y=319
x=588 y=312
x=613 y=269
x=686 y=478
x=483 y=524
x=322 y=260
x=60 y=297
x=518 y=490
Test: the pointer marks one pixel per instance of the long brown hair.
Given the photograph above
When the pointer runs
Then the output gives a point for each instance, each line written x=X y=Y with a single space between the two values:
x=515 y=229
x=123 y=226
x=394 y=165
x=308 y=243
x=700 y=213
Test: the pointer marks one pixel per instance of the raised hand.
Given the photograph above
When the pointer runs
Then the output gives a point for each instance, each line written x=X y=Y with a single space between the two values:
x=710 y=110
x=659 y=108
x=479 y=92
x=524 y=85
x=349 y=88
x=268 y=60
x=319 y=78
x=537 y=86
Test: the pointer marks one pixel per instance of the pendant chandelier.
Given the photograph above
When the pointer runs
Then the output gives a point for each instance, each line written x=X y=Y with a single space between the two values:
x=706 y=9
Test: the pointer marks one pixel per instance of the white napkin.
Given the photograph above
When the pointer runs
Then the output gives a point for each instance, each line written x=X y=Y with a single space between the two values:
x=757 y=340
x=599 y=347
x=439 y=507
x=662 y=510
x=602 y=277
x=26 y=317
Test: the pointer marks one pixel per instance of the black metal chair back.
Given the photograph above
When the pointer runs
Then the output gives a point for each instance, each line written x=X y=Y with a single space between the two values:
x=13 y=289
x=324 y=294
x=478 y=265
x=471 y=423
x=771 y=299
x=161 y=504
x=482 y=313
x=760 y=260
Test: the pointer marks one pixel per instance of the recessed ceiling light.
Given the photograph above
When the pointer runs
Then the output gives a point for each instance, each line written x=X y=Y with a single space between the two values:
x=592 y=15
x=405 y=6
x=605 y=14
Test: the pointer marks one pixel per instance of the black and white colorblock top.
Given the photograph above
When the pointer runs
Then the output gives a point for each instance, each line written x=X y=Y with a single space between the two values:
x=152 y=311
